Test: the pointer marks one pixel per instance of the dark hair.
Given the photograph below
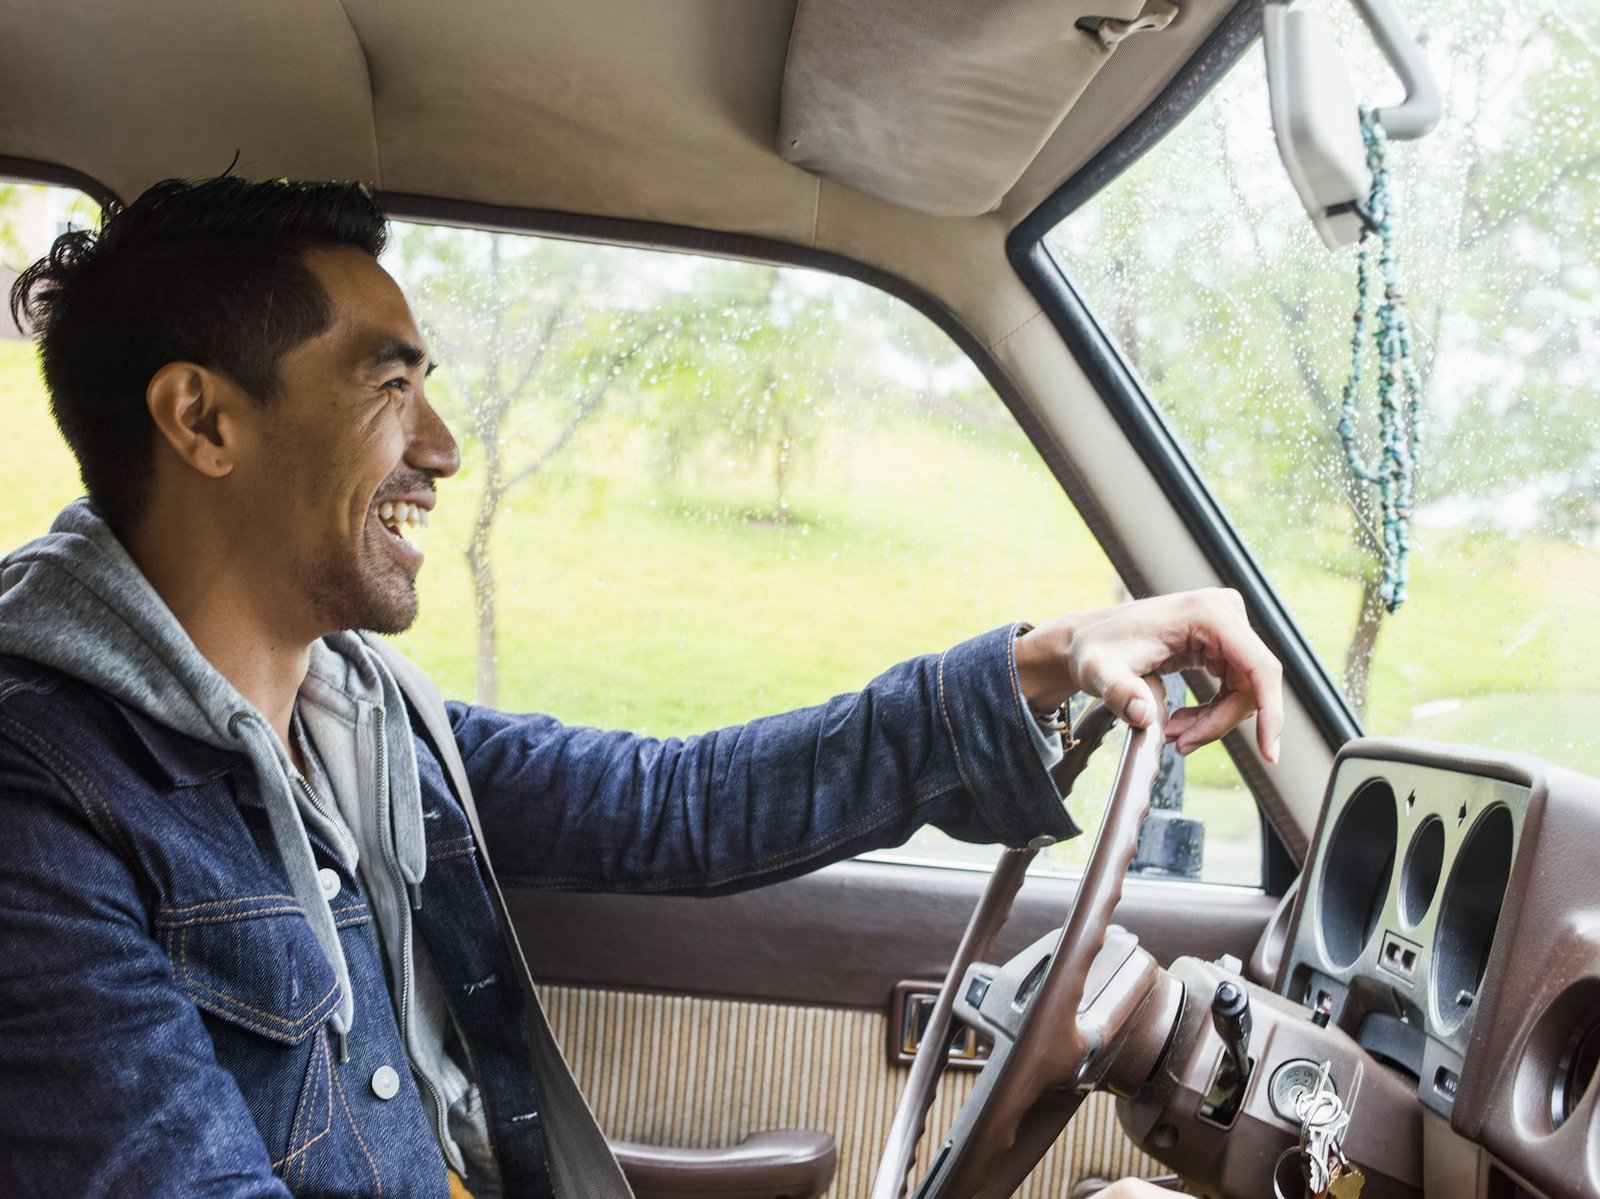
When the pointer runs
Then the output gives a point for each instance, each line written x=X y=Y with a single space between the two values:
x=207 y=272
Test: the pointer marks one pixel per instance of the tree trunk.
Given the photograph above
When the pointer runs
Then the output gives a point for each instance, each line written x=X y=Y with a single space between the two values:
x=488 y=632
x=780 y=472
x=1358 y=654
x=488 y=409
x=487 y=415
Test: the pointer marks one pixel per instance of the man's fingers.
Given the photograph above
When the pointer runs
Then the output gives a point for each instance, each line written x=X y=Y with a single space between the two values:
x=1108 y=652
x=1250 y=661
x=1181 y=721
x=1214 y=719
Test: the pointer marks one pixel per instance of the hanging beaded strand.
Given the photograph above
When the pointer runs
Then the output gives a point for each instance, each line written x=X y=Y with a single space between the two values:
x=1399 y=430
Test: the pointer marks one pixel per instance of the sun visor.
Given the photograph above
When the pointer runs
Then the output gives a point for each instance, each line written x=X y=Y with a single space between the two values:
x=940 y=105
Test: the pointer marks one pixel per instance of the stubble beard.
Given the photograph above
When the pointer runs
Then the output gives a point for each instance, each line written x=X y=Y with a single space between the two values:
x=364 y=592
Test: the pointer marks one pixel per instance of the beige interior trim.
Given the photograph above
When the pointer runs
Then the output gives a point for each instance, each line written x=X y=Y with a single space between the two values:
x=627 y=108
x=668 y=1070
x=1130 y=82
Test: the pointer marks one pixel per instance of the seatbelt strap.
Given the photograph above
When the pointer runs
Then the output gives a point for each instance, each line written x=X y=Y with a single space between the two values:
x=582 y=1165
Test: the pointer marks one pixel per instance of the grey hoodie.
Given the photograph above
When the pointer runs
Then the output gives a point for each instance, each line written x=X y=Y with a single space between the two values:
x=73 y=600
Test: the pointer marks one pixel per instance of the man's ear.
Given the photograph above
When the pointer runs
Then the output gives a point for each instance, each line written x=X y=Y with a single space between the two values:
x=195 y=413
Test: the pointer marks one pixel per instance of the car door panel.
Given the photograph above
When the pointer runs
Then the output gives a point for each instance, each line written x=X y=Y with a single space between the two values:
x=695 y=1022
x=696 y=1072
x=843 y=937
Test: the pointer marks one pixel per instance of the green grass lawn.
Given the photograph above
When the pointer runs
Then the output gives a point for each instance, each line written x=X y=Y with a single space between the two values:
x=1508 y=628
x=670 y=606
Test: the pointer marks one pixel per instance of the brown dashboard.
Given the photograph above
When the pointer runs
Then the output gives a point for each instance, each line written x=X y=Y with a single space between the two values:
x=1449 y=922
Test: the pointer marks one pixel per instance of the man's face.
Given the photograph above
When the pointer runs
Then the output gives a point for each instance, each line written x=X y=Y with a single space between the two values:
x=343 y=466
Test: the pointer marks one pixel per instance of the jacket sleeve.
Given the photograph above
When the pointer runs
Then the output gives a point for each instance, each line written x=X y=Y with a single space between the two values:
x=108 y=1085
x=938 y=739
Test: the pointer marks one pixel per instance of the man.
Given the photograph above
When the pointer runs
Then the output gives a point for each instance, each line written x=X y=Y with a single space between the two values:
x=249 y=940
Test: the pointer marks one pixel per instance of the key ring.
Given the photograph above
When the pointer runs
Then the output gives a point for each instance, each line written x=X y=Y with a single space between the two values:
x=1277 y=1169
x=1323 y=1120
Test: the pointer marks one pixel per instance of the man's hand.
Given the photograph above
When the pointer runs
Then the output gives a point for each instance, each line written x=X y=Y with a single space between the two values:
x=1110 y=652
x=1134 y=1188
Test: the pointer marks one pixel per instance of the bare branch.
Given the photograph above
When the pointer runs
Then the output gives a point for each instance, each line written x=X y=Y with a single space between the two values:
x=586 y=408
x=547 y=332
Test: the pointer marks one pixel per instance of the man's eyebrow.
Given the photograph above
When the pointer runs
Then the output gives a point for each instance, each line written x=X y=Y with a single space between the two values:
x=398 y=349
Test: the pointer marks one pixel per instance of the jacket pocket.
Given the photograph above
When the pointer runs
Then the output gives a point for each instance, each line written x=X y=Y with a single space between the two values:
x=252 y=961
x=255 y=970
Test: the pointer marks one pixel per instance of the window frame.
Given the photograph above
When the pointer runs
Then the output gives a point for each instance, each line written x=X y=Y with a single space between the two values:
x=1125 y=397
x=47 y=174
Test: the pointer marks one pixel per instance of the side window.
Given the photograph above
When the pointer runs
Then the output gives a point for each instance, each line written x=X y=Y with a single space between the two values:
x=41 y=476
x=695 y=491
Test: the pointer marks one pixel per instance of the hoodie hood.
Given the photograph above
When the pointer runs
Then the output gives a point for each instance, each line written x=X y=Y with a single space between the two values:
x=74 y=601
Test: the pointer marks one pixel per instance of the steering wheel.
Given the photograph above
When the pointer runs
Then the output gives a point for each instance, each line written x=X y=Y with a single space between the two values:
x=1081 y=1007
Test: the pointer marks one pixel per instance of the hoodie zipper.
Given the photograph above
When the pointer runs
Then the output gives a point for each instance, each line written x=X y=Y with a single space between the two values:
x=407 y=962
x=346 y=847
x=316 y=802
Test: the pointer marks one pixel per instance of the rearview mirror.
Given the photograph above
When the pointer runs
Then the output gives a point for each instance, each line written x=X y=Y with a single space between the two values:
x=1314 y=113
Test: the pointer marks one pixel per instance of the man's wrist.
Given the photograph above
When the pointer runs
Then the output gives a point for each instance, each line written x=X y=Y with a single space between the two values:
x=1042 y=675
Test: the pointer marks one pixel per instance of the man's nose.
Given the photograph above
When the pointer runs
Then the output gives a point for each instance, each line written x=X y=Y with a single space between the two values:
x=433 y=447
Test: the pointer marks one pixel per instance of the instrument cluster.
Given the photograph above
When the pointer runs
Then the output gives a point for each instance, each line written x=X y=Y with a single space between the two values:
x=1399 y=909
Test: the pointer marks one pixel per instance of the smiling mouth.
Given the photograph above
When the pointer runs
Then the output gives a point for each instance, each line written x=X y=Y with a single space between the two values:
x=396 y=517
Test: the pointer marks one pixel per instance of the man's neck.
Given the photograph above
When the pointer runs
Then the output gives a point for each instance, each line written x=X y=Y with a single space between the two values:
x=265 y=671
x=220 y=610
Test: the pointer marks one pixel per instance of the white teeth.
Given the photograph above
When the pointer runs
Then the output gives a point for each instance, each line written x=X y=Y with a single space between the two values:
x=398 y=514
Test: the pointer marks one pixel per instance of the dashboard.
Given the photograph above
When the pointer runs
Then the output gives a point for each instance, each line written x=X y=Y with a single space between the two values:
x=1397 y=924
x=1449 y=922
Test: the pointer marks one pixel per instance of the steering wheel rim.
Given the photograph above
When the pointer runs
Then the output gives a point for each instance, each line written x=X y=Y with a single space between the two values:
x=1032 y=1085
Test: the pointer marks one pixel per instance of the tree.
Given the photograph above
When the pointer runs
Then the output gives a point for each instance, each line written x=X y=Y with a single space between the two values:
x=535 y=343
x=780 y=354
x=9 y=245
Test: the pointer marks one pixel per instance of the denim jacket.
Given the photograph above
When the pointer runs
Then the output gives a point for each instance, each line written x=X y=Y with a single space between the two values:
x=163 y=998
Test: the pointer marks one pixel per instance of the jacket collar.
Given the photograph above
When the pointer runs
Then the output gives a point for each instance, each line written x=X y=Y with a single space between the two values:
x=182 y=760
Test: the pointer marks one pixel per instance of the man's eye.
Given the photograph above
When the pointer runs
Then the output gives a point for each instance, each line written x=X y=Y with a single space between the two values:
x=400 y=384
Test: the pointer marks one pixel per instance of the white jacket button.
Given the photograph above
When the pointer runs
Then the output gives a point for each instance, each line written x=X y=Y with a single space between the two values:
x=328 y=880
x=385 y=1082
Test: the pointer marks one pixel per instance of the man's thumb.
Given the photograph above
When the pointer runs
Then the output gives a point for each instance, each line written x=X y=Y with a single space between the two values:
x=1130 y=699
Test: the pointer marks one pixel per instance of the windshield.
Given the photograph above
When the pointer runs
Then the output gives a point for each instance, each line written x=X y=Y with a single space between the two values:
x=1202 y=265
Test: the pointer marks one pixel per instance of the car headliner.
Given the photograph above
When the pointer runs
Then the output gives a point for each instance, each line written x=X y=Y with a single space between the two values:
x=660 y=111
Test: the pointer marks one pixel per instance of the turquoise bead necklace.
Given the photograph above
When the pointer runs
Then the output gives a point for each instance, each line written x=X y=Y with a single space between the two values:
x=1399 y=392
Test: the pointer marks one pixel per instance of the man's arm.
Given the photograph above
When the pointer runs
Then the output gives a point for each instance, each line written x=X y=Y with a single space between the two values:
x=940 y=739
x=108 y=1085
